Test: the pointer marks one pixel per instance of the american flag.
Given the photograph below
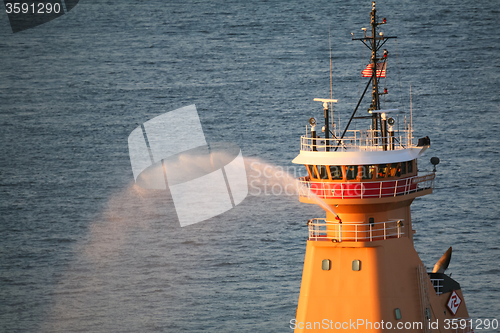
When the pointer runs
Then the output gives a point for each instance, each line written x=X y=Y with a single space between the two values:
x=381 y=66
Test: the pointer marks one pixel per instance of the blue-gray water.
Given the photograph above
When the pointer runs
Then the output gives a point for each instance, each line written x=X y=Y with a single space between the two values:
x=81 y=250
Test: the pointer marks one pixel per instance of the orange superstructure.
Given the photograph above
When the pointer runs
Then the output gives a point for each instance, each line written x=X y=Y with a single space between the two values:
x=361 y=271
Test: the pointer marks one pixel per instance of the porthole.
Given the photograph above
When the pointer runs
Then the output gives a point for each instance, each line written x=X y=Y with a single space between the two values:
x=397 y=312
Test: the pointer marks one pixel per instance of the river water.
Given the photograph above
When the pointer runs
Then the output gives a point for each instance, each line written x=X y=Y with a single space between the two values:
x=84 y=250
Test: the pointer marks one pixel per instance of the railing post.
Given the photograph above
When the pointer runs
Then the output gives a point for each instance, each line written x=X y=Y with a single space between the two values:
x=315 y=228
x=312 y=230
x=385 y=231
x=318 y=232
x=380 y=194
x=318 y=229
x=396 y=188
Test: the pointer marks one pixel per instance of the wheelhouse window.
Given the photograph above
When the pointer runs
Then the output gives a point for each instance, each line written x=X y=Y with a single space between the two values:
x=392 y=169
x=398 y=169
x=360 y=172
x=351 y=172
x=313 y=171
x=323 y=173
x=403 y=168
x=367 y=171
x=382 y=169
x=409 y=166
x=336 y=172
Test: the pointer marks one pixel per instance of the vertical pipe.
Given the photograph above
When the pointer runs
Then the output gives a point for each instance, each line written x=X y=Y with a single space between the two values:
x=391 y=138
x=327 y=128
x=384 y=132
x=313 y=136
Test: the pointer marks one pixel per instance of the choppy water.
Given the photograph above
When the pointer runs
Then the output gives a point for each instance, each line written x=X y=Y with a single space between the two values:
x=83 y=250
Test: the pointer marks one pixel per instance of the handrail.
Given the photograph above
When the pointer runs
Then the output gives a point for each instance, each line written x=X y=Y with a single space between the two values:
x=368 y=189
x=358 y=140
x=320 y=229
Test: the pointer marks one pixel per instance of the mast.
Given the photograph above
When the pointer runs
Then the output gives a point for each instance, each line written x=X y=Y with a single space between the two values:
x=374 y=43
x=375 y=97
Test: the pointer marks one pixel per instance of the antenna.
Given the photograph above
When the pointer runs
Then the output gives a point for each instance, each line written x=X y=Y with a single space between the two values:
x=331 y=80
x=411 y=118
x=331 y=75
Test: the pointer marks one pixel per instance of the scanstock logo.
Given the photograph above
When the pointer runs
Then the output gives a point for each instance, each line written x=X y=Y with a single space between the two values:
x=26 y=14
x=204 y=180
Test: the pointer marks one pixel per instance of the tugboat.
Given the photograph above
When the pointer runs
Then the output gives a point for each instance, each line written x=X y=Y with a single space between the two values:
x=361 y=270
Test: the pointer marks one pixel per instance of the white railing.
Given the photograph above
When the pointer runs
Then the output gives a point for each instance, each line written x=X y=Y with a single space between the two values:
x=358 y=140
x=321 y=229
x=438 y=285
x=368 y=189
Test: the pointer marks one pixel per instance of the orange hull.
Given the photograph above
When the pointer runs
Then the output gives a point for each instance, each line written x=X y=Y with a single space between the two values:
x=366 y=300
